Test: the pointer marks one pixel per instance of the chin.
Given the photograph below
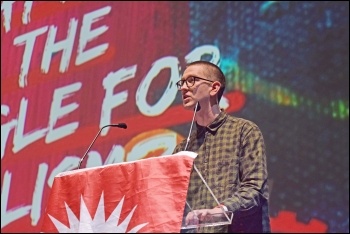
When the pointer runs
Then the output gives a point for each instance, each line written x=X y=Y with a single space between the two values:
x=189 y=105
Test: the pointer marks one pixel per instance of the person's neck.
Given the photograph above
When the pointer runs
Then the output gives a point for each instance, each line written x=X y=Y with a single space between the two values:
x=206 y=115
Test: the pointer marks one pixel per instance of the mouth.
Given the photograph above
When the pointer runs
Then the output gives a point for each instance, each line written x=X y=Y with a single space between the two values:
x=184 y=97
x=187 y=100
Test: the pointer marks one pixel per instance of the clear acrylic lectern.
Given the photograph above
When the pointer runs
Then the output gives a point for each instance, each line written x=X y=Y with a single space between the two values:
x=224 y=218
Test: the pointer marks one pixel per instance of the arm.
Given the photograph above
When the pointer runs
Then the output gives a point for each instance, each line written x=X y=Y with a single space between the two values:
x=252 y=173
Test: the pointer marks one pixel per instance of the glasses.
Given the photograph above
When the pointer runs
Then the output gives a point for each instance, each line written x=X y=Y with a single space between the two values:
x=189 y=81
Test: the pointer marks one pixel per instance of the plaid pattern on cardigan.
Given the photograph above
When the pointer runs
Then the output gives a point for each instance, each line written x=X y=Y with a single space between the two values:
x=232 y=160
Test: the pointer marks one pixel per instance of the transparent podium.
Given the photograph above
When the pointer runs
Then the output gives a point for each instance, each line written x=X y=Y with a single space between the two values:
x=193 y=219
x=209 y=221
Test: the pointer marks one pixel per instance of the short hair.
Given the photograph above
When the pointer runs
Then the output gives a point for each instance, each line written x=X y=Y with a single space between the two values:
x=214 y=72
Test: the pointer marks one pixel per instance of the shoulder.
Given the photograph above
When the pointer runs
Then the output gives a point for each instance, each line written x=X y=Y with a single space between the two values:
x=244 y=123
x=245 y=127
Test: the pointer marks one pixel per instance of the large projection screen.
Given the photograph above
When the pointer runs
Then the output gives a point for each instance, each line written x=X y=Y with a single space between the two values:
x=69 y=68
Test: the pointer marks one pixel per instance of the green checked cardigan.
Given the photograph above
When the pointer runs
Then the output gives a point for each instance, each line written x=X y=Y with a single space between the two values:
x=232 y=160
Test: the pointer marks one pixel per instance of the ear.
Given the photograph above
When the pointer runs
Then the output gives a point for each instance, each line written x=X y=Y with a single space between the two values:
x=216 y=85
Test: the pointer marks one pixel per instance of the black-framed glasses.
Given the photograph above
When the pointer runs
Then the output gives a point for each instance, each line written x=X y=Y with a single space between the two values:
x=189 y=81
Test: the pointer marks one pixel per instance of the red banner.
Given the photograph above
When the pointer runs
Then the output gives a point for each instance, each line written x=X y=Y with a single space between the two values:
x=146 y=195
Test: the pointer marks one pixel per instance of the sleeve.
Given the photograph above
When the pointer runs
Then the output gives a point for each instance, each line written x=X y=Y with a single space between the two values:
x=252 y=172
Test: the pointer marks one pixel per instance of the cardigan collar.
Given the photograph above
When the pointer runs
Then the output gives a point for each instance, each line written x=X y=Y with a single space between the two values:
x=213 y=126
